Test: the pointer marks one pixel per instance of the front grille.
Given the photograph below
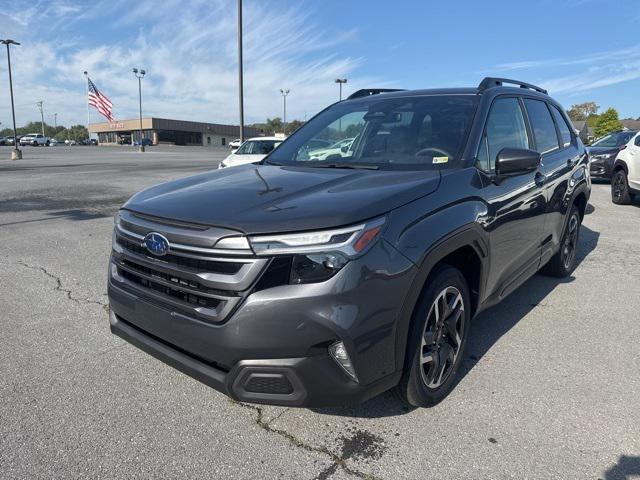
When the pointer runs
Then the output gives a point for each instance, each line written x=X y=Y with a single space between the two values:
x=228 y=268
x=191 y=279
x=183 y=296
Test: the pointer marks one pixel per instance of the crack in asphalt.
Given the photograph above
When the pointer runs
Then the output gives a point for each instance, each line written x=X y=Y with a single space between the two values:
x=338 y=460
x=59 y=287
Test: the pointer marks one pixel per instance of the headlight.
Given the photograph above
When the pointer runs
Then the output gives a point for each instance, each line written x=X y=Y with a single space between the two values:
x=317 y=256
x=602 y=156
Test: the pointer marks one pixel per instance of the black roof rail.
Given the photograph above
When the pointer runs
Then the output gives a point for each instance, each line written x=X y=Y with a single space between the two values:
x=365 y=92
x=489 y=82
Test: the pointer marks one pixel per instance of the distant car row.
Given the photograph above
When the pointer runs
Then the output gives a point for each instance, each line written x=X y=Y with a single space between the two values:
x=39 y=140
x=616 y=158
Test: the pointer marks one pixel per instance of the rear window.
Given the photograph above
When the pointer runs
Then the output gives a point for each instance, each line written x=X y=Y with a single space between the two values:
x=565 y=131
x=544 y=129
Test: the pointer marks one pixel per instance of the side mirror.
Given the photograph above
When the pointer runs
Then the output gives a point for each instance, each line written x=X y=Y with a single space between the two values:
x=515 y=161
x=345 y=148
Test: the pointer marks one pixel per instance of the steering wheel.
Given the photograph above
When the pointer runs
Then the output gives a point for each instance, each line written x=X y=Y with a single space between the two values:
x=422 y=152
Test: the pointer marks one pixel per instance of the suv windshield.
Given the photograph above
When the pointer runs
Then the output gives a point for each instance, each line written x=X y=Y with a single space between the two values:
x=257 y=147
x=396 y=133
x=615 y=139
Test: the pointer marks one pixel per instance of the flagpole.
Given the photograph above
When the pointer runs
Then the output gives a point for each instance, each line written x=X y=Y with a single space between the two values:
x=86 y=83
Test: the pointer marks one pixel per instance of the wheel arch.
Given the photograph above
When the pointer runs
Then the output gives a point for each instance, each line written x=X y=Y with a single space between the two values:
x=466 y=250
x=620 y=165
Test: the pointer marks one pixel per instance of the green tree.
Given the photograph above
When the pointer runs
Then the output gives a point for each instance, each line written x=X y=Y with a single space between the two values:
x=607 y=122
x=582 y=111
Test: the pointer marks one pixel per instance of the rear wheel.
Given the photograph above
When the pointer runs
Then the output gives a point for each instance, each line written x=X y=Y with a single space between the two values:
x=437 y=339
x=564 y=261
x=620 y=194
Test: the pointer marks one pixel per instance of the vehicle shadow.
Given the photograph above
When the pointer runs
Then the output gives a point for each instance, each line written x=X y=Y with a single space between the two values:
x=627 y=467
x=486 y=329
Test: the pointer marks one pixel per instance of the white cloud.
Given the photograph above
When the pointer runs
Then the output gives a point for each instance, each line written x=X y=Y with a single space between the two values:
x=189 y=54
x=574 y=75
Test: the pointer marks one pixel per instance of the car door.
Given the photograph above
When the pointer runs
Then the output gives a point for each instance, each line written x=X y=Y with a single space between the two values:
x=516 y=203
x=560 y=156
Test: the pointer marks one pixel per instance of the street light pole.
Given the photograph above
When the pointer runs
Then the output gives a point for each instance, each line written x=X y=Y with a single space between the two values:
x=139 y=74
x=240 y=86
x=55 y=121
x=284 y=93
x=16 y=154
x=340 y=81
x=41 y=115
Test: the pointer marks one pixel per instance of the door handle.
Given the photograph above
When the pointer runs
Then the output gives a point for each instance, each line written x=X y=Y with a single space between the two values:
x=540 y=179
x=572 y=162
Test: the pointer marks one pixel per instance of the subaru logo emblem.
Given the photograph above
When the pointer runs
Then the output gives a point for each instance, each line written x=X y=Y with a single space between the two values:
x=156 y=244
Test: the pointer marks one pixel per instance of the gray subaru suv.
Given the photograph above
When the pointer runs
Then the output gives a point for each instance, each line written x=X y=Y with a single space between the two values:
x=306 y=282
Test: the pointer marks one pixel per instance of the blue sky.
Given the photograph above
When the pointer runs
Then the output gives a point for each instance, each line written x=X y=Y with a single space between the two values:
x=581 y=50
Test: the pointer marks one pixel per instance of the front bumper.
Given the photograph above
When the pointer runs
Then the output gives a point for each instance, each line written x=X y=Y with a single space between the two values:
x=273 y=348
x=601 y=169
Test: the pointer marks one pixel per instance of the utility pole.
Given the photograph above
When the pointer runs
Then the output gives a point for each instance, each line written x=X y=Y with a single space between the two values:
x=139 y=74
x=55 y=121
x=16 y=153
x=240 y=87
x=284 y=93
x=41 y=115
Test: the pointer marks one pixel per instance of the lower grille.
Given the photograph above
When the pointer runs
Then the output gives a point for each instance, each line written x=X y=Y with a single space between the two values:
x=183 y=296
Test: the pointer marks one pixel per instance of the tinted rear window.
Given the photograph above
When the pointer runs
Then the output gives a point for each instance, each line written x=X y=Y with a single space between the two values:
x=544 y=129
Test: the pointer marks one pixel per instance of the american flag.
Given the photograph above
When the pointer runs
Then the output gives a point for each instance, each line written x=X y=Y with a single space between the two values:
x=100 y=101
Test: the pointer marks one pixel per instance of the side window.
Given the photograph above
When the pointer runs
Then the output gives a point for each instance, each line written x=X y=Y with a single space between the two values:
x=505 y=129
x=636 y=142
x=565 y=131
x=542 y=125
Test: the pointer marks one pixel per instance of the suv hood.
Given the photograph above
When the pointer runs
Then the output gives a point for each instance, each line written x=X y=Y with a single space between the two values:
x=272 y=199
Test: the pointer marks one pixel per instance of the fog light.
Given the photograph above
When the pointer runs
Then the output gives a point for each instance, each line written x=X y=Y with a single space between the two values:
x=339 y=353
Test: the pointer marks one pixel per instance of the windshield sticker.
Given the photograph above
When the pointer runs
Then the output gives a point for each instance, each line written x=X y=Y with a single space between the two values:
x=440 y=159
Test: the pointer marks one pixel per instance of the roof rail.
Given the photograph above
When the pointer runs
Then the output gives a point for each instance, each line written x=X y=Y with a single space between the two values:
x=489 y=82
x=365 y=92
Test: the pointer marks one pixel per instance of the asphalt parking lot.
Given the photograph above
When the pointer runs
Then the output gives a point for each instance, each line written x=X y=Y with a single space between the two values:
x=550 y=388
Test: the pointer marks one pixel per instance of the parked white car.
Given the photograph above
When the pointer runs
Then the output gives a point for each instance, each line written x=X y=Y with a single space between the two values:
x=339 y=148
x=34 y=139
x=235 y=144
x=251 y=151
x=625 y=181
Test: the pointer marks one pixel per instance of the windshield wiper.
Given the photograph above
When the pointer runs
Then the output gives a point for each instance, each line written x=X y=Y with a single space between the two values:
x=269 y=162
x=359 y=166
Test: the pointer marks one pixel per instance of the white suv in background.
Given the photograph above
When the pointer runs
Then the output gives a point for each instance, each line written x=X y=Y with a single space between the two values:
x=625 y=181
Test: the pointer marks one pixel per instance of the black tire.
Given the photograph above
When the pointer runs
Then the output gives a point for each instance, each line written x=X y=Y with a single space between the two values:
x=620 y=194
x=564 y=261
x=427 y=382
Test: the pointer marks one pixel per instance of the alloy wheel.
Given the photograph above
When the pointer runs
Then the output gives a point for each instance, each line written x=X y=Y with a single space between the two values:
x=442 y=337
x=618 y=187
x=570 y=242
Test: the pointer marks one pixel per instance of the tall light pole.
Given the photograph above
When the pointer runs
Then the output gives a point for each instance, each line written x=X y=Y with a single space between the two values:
x=39 y=104
x=240 y=86
x=139 y=73
x=340 y=81
x=16 y=154
x=284 y=93
x=55 y=121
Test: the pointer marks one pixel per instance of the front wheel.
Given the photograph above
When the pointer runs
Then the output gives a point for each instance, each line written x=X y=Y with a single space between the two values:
x=620 y=194
x=437 y=339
